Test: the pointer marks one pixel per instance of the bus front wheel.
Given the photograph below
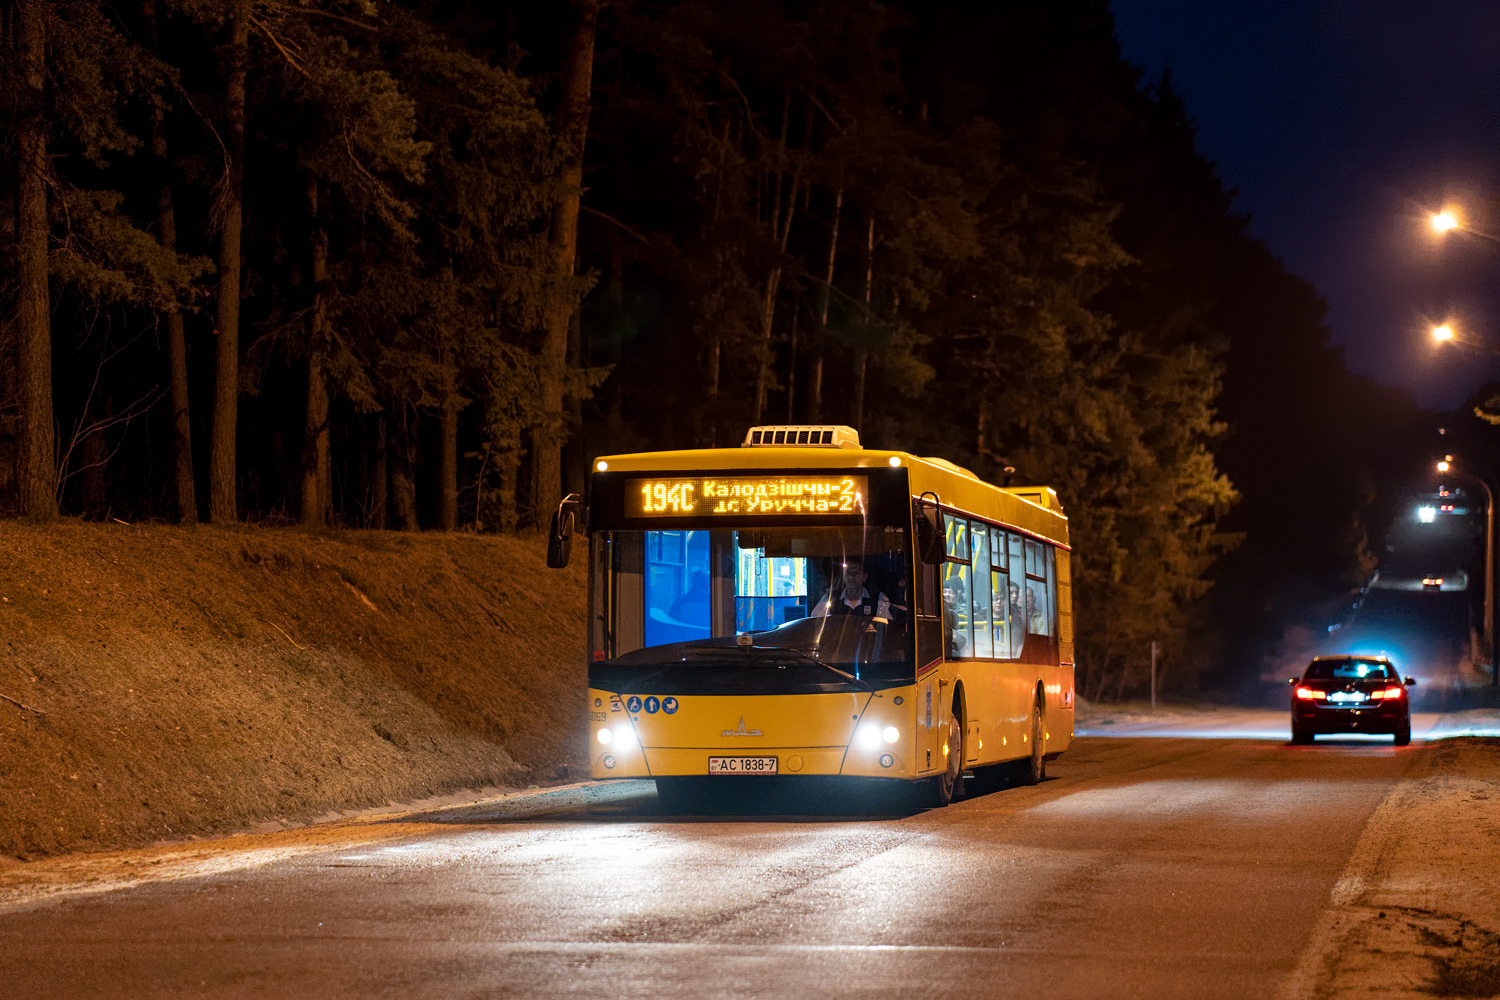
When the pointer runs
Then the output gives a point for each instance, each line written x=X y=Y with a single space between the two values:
x=949 y=785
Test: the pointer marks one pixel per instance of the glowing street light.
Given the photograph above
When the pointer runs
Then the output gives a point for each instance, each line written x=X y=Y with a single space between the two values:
x=1442 y=332
x=1445 y=466
x=1450 y=218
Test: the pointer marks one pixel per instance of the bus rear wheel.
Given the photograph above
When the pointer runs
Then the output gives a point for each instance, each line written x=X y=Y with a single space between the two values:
x=949 y=785
x=1033 y=769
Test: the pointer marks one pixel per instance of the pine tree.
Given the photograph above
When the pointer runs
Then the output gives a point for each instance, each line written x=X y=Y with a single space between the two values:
x=38 y=473
x=576 y=86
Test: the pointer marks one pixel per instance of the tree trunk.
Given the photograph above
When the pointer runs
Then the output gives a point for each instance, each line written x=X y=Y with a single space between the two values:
x=572 y=130
x=38 y=471
x=315 y=482
x=575 y=461
x=509 y=462
x=791 y=366
x=166 y=217
x=815 y=375
x=781 y=227
x=93 y=452
x=399 y=455
x=223 y=503
x=862 y=359
x=715 y=360
x=448 y=464
x=379 y=497
x=10 y=422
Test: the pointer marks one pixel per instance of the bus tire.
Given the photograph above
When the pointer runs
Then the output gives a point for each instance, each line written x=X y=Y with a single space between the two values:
x=950 y=784
x=1033 y=769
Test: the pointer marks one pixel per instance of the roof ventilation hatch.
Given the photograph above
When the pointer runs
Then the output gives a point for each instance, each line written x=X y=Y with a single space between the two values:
x=802 y=436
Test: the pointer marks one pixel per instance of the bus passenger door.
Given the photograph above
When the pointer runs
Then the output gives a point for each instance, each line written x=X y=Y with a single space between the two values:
x=930 y=645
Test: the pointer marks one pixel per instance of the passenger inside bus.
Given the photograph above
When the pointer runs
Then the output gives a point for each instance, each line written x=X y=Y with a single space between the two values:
x=956 y=608
x=1017 y=621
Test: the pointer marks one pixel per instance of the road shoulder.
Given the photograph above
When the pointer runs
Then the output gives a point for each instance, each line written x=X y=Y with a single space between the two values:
x=1417 y=908
x=27 y=884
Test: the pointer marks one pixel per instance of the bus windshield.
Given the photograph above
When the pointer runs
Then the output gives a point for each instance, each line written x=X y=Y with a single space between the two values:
x=835 y=596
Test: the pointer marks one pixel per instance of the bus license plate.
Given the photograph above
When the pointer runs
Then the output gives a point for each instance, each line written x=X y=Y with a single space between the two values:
x=742 y=765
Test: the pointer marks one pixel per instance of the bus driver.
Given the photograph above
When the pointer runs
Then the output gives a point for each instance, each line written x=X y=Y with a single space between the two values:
x=852 y=598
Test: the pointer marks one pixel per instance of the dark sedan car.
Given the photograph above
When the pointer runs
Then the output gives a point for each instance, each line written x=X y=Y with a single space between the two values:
x=1350 y=694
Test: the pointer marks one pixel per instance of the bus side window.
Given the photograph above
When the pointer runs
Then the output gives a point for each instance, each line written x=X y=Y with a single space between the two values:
x=1052 y=589
x=929 y=610
x=928 y=602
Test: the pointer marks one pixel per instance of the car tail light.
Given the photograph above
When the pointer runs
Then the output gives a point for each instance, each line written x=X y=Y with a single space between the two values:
x=1307 y=693
x=1390 y=692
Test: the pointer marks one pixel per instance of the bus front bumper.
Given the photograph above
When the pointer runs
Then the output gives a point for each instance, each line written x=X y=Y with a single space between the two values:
x=731 y=762
x=705 y=735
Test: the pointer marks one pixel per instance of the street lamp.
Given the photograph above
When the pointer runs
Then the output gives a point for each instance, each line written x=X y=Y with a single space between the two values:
x=1449 y=219
x=1446 y=333
x=1446 y=467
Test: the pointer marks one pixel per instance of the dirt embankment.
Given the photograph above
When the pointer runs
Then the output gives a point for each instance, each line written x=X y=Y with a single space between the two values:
x=159 y=681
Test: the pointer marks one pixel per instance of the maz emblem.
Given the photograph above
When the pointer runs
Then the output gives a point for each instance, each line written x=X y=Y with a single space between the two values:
x=742 y=731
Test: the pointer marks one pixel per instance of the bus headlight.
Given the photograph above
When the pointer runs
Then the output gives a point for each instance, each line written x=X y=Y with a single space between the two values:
x=868 y=736
x=621 y=737
x=890 y=734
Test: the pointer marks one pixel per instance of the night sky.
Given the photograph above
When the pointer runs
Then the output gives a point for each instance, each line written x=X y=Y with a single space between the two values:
x=1338 y=123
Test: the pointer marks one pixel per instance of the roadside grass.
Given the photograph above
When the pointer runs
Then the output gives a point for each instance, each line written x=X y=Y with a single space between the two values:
x=160 y=682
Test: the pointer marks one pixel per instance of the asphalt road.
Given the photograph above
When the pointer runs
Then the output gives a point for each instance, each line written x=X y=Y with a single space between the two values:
x=1155 y=867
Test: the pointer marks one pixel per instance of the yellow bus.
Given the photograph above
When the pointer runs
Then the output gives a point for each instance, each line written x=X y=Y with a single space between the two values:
x=803 y=606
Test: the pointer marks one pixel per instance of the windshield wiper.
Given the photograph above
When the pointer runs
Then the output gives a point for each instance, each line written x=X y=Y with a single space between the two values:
x=730 y=652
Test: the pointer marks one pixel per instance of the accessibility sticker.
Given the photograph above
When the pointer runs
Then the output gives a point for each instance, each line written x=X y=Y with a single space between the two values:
x=652 y=704
x=669 y=705
x=634 y=703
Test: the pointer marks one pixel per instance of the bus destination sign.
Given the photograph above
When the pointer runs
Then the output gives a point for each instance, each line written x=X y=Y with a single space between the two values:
x=727 y=496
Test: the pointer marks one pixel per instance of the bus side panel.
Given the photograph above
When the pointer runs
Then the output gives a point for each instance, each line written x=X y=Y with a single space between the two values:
x=1009 y=710
x=984 y=710
x=1063 y=702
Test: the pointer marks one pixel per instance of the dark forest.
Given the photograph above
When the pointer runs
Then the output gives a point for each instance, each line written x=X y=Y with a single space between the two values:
x=411 y=266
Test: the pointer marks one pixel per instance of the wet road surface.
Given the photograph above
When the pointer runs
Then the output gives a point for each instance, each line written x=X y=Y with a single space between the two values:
x=1151 y=867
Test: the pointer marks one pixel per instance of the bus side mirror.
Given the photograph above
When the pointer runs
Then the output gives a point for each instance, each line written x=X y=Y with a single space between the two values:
x=930 y=547
x=560 y=538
